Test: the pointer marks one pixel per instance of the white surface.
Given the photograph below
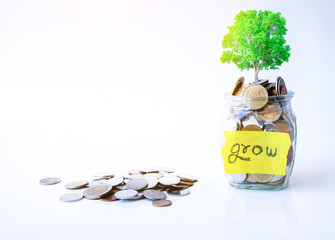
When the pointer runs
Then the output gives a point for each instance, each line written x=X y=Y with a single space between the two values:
x=91 y=86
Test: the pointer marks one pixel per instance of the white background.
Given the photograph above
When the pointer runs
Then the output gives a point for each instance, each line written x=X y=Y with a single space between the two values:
x=90 y=86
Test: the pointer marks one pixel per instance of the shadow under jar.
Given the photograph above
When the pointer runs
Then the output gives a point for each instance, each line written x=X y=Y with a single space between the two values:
x=257 y=139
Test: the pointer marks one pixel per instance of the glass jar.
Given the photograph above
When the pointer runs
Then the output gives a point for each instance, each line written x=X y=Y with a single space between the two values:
x=257 y=139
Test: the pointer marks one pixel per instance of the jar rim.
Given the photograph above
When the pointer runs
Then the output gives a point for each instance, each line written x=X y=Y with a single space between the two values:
x=288 y=96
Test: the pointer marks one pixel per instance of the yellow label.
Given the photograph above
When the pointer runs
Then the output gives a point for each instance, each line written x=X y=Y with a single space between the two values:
x=255 y=152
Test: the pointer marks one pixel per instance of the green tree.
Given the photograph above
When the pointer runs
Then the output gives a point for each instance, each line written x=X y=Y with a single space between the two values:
x=256 y=40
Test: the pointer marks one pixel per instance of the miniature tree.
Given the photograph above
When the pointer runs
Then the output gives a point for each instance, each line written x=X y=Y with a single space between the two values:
x=256 y=40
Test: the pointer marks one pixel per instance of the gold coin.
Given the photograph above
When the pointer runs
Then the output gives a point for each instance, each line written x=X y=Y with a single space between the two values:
x=251 y=127
x=255 y=97
x=238 y=89
x=76 y=184
x=271 y=112
x=261 y=178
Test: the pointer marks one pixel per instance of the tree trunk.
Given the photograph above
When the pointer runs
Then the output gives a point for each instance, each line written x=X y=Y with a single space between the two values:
x=256 y=73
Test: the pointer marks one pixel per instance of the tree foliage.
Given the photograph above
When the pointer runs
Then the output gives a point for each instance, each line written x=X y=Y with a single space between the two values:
x=256 y=40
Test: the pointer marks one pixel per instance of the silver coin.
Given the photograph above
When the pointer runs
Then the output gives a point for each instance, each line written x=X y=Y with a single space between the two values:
x=152 y=182
x=154 y=175
x=167 y=169
x=121 y=187
x=76 y=184
x=115 y=181
x=126 y=194
x=138 y=197
x=149 y=170
x=161 y=203
x=131 y=172
x=96 y=182
x=187 y=177
x=71 y=197
x=103 y=175
x=169 y=180
x=239 y=177
x=97 y=191
x=137 y=184
x=179 y=192
x=154 y=194
x=50 y=181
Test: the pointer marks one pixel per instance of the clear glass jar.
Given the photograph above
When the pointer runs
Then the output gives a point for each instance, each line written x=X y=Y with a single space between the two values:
x=260 y=158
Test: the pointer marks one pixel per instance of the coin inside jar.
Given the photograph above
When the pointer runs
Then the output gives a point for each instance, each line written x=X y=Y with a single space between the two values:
x=261 y=178
x=280 y=126
x=251 y=128
x=271 y=112
x=238 y=87
x=255 y=97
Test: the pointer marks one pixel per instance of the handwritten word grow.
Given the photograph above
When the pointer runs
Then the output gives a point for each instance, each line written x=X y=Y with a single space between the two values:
x=238 y=148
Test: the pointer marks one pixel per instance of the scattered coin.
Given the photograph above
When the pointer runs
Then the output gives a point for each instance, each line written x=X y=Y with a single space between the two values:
x=131 y=172
x=121 y=187
x=161 y=203
x=271 y=112
x=137 y=184
x=97 y=191
x=126 y=194
x=115 y=181
x=116 y=188
x=149 y=170
x=179 y=186
x=169 y=180
x=71 y=197
x=138 y=197
x=152 y=182
x=50 y=181
x=190 y=184
x=155 y=175
x=255 y=97
x=103 y=175
x=261 y=178
x=187 y=177
x=154 y=194
x=178 y=192
x=167 y=169
x=109 y=198
x=76 y=184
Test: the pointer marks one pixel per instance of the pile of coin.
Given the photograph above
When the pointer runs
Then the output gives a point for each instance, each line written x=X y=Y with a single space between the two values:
x=261 y=106
x=155 y=184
